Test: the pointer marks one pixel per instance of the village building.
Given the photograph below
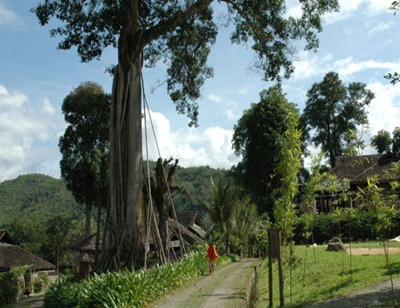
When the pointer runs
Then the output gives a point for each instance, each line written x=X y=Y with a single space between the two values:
x=188 y=227
x=356 y=170
x=12 y=255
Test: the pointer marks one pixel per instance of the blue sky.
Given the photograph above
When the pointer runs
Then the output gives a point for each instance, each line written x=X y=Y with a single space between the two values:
x=361 y=43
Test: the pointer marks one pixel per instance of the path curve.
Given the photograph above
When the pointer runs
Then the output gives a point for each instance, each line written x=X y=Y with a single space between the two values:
x=226 y=289
x=370 y=297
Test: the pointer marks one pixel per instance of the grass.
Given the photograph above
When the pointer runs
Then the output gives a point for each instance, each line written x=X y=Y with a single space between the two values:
x=328 y=275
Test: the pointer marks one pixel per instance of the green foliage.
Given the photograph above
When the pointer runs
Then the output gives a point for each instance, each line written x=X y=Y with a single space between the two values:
x=222 y=208
x=128 y=288
x=393 y=77
x=363 y=226
x=85 y=146
x=8 y=288
x=196 y=182
x=41 y=283
x=27 y=206
x=324 y=278
x=287 y=173
x=333 y=112
x=396 y=141
x=382 y=141
x=60 y=234
x=37 y=197
x=258 y=139
x=181 y=34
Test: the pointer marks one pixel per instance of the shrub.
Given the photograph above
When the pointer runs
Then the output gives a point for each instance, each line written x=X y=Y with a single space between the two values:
x=326 y=226
x=41 y=283
x=127 y=288
x=8 y=291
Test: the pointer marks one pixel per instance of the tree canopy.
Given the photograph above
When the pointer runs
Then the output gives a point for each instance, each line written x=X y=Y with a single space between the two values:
x=382 y=141
x=332 y=113
x=180 y=33
x=256 y=138
x=85 y=144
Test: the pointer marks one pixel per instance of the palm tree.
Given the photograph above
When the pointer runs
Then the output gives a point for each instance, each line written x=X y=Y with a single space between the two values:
x=221 y=208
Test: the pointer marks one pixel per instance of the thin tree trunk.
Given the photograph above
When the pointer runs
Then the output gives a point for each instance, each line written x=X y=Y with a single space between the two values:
x=88 y=217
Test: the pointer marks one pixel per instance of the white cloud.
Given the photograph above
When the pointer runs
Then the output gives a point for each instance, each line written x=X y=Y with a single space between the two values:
x=215 y=98
x=349 y=66
x=47 y=107
x=381 y=27
x=25 y=131
x=311 y=66
x=384 y=110
x=211 y=147
x=8 y=18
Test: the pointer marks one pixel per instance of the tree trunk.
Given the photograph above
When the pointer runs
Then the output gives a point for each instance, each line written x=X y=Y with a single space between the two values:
x=124 y=231
x=88 y=217
x=161 y=190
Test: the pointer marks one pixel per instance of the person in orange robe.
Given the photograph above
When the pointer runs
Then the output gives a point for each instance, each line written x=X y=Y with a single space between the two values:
x=212 y=256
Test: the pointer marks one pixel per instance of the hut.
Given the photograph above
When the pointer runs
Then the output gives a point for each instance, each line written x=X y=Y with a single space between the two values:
x=12 y=255
x=176 y=229
x=356 y=170
x=191 y=221
x=87 y=251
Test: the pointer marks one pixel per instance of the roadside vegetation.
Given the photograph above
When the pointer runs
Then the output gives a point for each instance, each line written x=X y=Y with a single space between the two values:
x=128 y=288
x=324 y=276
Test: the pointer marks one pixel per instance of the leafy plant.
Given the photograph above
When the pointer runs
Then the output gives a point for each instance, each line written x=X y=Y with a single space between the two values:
x=128 y=288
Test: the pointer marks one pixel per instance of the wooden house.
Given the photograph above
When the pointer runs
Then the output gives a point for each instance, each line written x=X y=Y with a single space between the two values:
x=357 y=170
x=191 y=221
x=11 y=255
x=190 y=235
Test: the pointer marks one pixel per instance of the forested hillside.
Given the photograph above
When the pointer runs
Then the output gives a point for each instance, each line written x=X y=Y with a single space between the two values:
x=36 y=196
x=197 y=182
x=40 y=197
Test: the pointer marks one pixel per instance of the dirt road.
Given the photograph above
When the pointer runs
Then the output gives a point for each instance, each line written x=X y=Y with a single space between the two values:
x=226 y=289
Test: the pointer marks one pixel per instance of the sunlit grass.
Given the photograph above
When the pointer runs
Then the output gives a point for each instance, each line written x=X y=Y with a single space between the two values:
x=327 y=275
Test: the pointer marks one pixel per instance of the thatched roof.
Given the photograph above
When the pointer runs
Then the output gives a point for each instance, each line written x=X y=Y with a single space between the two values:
x=188 y=236
x=191 y=221
x=187 y=218
x=6 y=238
x=13 y=255
x=89 y=244
x=358 y=168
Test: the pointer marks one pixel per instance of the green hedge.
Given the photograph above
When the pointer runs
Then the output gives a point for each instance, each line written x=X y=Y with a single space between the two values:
x=127 y=288
x=362 y=227
x=8 y=289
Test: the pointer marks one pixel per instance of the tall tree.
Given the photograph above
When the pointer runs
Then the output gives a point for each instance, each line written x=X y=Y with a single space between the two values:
x=59 y=235
x=85 y=145
x=180 y=32
x=382 y=141
x=396 y=141
x=333 y=111
x=256 y=138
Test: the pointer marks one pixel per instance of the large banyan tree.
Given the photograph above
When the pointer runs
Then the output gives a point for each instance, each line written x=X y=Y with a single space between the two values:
x=180 y=32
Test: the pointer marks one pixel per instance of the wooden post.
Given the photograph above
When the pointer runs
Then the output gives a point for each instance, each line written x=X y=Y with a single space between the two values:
x=274 y=252
x=270 y=271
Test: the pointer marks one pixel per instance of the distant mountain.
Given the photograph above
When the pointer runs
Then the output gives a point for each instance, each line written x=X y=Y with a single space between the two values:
x=198 y=182
x=38 y=197
x=41 y=197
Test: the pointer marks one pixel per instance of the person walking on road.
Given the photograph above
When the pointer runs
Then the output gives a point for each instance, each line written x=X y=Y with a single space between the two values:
x=212 y=256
